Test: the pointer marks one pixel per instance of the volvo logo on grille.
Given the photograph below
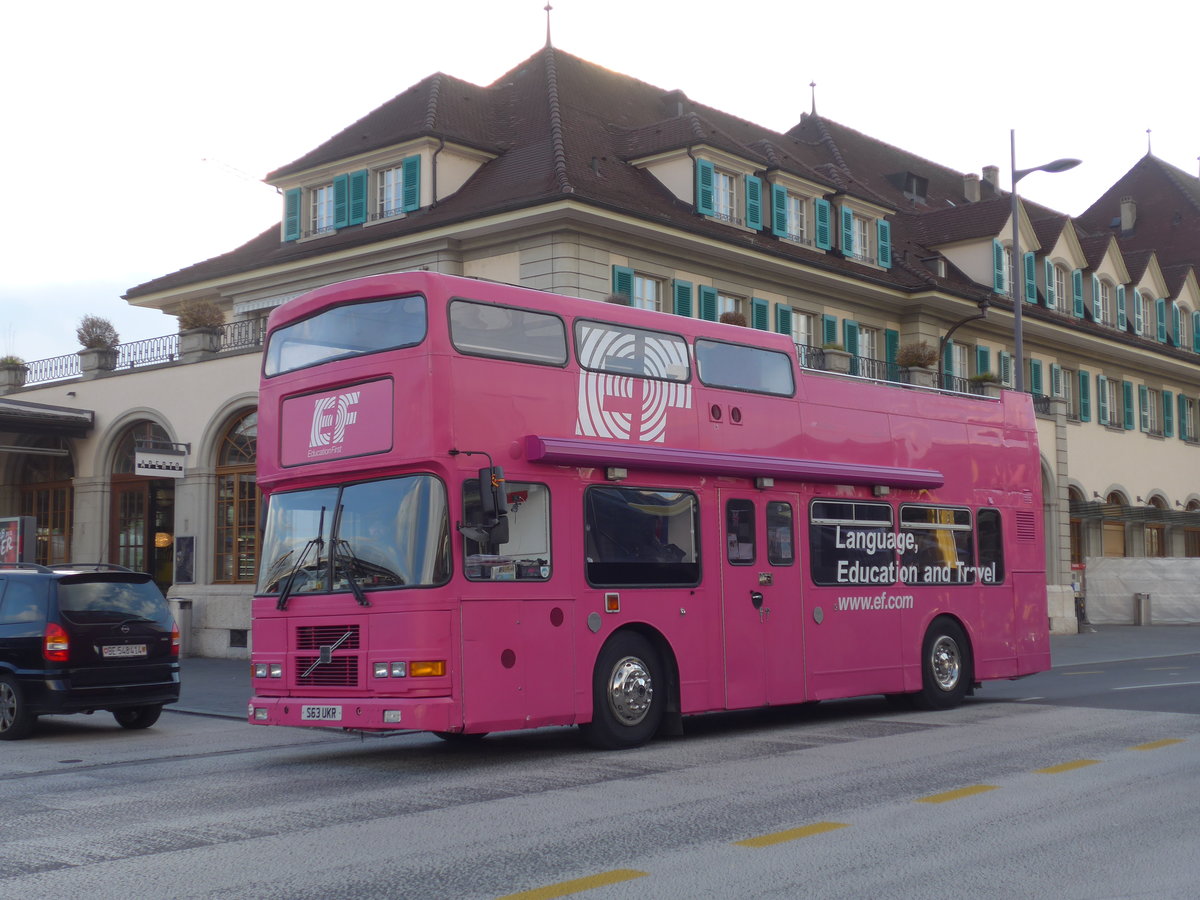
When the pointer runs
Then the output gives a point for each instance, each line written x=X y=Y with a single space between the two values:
x=326 y=653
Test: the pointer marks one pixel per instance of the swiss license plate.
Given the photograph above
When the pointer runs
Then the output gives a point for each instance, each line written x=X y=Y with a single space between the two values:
x=320 y=713
x=115 y=651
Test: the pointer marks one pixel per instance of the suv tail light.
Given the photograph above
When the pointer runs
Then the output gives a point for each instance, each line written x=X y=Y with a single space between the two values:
x=56 y=646
x=174 y=639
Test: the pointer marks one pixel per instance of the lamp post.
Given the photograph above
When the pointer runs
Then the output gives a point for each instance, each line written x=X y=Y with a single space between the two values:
x=1018 y=298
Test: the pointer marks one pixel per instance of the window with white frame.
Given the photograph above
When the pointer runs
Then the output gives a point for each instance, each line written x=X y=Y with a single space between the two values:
x=1148 y=317
x=1008 y=272
x=1068 y=381
x=797 y=218
x=1062 y=289
x=321 y=209
x=958 y=360
x=1152 y=412
x=868 y=342
x=647 y=292
x=1187 y=418
x=724 y=195
x=1105 y=304
x=391 y=192
x=862 y=239
x=1115 y=403
x=728 y=303
x=803 y=328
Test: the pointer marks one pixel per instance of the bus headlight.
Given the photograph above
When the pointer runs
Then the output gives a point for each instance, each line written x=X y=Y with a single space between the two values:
x=382 y=670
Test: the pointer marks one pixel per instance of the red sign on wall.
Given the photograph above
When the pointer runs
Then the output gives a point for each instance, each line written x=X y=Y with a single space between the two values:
x=18 y=539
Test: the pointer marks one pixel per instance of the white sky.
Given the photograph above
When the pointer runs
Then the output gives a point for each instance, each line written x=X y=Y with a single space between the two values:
x=111 y=109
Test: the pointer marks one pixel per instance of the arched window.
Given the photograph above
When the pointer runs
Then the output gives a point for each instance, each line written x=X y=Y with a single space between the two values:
x=235 y=538
x=1077 y=536
x=1156 y=533
x=1113 y=530
x=47 y=495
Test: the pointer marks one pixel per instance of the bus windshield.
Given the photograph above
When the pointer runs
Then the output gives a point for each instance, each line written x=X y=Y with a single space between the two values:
x=378 y=534
x=352 y=329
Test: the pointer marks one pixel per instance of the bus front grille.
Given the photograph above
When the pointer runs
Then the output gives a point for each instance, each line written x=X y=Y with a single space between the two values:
x=313 y=637
x=340 y=671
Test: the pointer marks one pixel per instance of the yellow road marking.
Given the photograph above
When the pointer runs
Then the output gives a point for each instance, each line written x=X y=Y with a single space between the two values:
x=1067 y=766
x=958 y=794
x=792 y=834
x=1089 y=672
x=575 y=886
x=1164 y=668
x=1158 y=745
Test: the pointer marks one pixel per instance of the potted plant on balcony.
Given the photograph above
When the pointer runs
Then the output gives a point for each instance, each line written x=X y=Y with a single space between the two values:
x=99 y=340
x=13 y=373
x=837 y=359
x=916 y=361
x=985 y=383
x=200 y=324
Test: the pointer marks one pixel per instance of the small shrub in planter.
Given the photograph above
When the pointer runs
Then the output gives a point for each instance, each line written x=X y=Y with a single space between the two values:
x=200 y=314
x=833 y=345
x=11 y=362
x=96 y=333
x=984 y=378
x=916 y=356
x=733 y=318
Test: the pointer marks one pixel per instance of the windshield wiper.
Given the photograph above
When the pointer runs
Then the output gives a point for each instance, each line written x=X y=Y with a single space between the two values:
x=317 y=543
x=352 y=565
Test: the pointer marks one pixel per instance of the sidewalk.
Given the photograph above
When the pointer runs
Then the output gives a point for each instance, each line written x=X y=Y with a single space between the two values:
x=221 y=687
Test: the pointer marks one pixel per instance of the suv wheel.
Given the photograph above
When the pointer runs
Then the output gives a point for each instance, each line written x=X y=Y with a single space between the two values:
x=137 y=716
x=16 y=721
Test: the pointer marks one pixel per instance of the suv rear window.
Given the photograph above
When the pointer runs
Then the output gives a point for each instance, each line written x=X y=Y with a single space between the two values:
x=111 y=598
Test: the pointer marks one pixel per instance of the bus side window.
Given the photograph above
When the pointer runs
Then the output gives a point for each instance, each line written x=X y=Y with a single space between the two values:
x=739 y=532
x=525 y=556
x=991 y=546
x=781 y=540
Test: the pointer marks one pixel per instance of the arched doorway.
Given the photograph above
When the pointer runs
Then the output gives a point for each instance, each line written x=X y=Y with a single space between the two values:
x=142 y=518
x=1156 y=532
x=235 y=541
x=47 y=494
x=1114 y=529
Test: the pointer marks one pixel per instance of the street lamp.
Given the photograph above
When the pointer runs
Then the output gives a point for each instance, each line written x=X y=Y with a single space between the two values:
x=1059 y=165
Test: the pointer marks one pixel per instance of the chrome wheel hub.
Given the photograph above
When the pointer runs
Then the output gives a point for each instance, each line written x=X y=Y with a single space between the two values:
x=8 y=707
x=630 y=691
x=946 y=663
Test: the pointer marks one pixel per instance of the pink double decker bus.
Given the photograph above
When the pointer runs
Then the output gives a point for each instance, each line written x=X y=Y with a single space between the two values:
x=491 y=508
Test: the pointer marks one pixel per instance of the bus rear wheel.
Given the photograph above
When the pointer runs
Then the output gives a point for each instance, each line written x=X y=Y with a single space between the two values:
x=628 y=693
x=945 y=666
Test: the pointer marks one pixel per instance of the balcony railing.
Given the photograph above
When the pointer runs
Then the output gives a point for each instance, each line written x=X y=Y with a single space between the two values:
x=243 y=335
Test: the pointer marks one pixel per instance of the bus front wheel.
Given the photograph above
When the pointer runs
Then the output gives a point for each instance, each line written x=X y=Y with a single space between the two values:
x=945 y=666
x=628 y=693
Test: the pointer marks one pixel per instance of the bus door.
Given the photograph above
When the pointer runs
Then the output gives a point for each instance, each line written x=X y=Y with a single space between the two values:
x=760 y=599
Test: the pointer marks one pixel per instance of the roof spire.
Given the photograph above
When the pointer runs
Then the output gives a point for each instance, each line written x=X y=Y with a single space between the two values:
x=548 y=8
x=1148 y=150
x=813 y=87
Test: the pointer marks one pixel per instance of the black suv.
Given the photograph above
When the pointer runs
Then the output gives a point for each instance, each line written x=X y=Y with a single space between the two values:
x=78 y=638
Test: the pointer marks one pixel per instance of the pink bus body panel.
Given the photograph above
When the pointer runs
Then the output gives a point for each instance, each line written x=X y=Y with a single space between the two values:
x=522 y=654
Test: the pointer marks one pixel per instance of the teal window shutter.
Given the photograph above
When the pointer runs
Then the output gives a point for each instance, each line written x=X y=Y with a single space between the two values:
x=1138 y=324
x=1085 y=395
x=1056 y=382
x=1077 y=292
x=291 y=214
x=1035 y=378
x=1160 y=319
x=1127 y=395
x=998 y=267
x=1168 y=401
x=822 y=212
x=708 y=302
x=1176 y=325
x=847 y=230
x=358 y=197
x=1096 y=315
x=1051 y=300
x=341 y=201
x=411 y=171
x=948 y=359
x=1144 y=406
x=891 y=348
x=829 y=329
x=760 y=313
x=1102 y=399
x=705 y=197
x=682 y=294
x=1122 y=310
x=850 y=336
x=1183 y=417
x=754 y=204
x=983 y=360
x=622 y=281
x=883 y=240
x=783 y=318
x=1030 y=278
x=1005 y=368
x=1196 y=332
x=779 y=222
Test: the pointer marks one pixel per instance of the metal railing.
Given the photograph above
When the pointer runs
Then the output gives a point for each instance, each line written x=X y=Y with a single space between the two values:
x=243 y=335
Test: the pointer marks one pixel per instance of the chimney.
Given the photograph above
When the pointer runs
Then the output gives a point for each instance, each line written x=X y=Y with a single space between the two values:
x=991 y=175
x=675 y=103
x=971 y=187
x=1128 y=213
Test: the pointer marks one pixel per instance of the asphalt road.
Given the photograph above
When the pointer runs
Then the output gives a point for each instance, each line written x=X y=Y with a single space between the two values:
x=1075 y=783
